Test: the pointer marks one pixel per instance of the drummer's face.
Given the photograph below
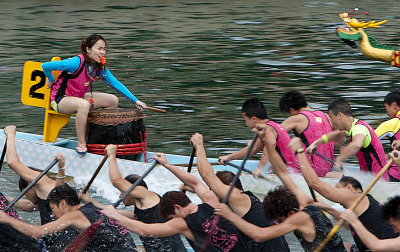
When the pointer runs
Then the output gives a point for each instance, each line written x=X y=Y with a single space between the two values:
x=97 y=51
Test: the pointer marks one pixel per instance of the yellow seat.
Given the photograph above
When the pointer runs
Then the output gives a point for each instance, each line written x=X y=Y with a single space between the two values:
x=53 y=121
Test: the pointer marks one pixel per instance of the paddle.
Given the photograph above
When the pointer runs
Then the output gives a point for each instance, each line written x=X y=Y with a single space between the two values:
x=3 y=154
x=95 y=174
x=83 y=239
x=30 y=185
x=156 y=109
x=324 y=157
x=355 y=204
x=189 y=169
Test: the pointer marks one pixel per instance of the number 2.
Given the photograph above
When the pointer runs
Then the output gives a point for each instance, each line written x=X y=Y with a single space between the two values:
x=32 y=90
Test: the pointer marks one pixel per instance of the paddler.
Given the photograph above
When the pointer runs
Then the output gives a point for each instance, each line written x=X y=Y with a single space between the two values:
x=391 y=128
x=309 y=125
x=364 y=143
x=346 y=192
x=73 y=93
x=254 y=112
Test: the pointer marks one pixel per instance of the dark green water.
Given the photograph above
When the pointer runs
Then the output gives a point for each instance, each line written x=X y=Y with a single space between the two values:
x=201 y=60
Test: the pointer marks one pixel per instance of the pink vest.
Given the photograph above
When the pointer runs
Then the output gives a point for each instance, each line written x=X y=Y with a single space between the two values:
x=372 y=158
x=75 y=84
x=318 y=124
x=282 y=146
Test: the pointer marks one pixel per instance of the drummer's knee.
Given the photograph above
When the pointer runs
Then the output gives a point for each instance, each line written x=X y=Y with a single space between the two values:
x=83 y=106
x=113 y=102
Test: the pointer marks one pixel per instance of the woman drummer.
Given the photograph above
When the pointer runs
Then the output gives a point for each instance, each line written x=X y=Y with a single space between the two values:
x=72 y=92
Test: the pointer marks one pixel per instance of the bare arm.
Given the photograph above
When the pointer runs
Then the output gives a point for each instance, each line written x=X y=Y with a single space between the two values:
x=189 y=179
x=297 y=122
x=44 y=185
x=369 y=239
x=238 y=201
x=60 y=179
x=277 y=163
x=75 y=218
x=241 y=153
x=24 y=205
x=172 y=227
x=257 y=233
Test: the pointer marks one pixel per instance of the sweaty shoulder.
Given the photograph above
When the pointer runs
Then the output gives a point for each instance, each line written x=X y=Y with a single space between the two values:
x=298 y=122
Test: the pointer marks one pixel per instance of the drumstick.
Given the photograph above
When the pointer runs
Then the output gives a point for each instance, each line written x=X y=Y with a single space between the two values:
x=157 y=109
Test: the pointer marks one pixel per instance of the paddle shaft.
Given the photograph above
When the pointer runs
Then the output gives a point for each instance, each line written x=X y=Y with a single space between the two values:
x=156 y=109
x=137 y=182
x=354 y=205
x=324 y=157
x=240 y=168
x=30 y=185
x=3 y=154
x=95 y=174
x=189 y=169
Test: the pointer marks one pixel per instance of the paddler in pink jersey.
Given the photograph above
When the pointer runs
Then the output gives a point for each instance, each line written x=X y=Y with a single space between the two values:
x=364 y=143
x=254 y=112
x=309 y=125
x=73 y=93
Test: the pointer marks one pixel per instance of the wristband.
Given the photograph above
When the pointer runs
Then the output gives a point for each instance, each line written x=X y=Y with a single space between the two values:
x=63 y=168
x=60 y=177
x=299 y=150
x=325 y=138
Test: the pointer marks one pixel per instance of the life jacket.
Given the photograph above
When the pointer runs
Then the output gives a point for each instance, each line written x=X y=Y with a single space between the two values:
x=371 y=158
x=318 y=125
x=393 y=170
x=72 y=84
x=282 y=146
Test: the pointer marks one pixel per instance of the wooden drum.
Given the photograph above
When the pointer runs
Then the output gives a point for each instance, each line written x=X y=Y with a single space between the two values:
x=122 y=127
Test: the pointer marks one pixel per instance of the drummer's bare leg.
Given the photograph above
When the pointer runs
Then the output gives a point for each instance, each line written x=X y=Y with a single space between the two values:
x=80 y=107
x=103 y=100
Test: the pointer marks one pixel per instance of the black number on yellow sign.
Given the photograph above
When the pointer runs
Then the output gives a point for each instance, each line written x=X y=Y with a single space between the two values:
x=42 y=80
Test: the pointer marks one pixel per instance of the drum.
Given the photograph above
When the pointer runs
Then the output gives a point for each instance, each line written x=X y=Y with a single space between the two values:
x=122 y=127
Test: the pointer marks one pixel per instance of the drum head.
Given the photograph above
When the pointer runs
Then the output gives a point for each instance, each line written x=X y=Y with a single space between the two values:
x=113 y=117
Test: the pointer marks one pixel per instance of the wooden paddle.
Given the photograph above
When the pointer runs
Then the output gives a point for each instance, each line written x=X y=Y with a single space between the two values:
x=354 y=205
x=156 y=109
x=189 y=169
x=95 y=174
x=31 y=184
x=83 y=239
x=3 y=154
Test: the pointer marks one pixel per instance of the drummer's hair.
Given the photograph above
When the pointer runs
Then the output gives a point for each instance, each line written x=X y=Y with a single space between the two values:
x=169 y=200
x=227 y=178
x=22 y=184
x=391 y=209
x=292 y=99
x=63 y=192
x=132 y=178
x=352 y=181
x=254 y=107
x=393 y=96
x=340 y=105
x=89 y=42
x=279 y=202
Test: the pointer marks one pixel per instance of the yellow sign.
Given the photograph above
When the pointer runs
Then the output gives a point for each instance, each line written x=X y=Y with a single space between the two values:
x=34 y=91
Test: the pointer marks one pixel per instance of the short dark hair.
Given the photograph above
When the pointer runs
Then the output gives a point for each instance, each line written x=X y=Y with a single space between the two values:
x=168 y=200
x=352 y=181
x=391 y=209
x=132 y=178
x=22 y=184
x=254 y=107
x=227 y=178
x=340 y=105
x=391 y=97
x=279 y=202
x=63 y=192
x=292 y=99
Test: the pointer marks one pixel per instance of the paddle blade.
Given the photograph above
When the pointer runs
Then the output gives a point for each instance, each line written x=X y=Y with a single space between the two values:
x=84 y=238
